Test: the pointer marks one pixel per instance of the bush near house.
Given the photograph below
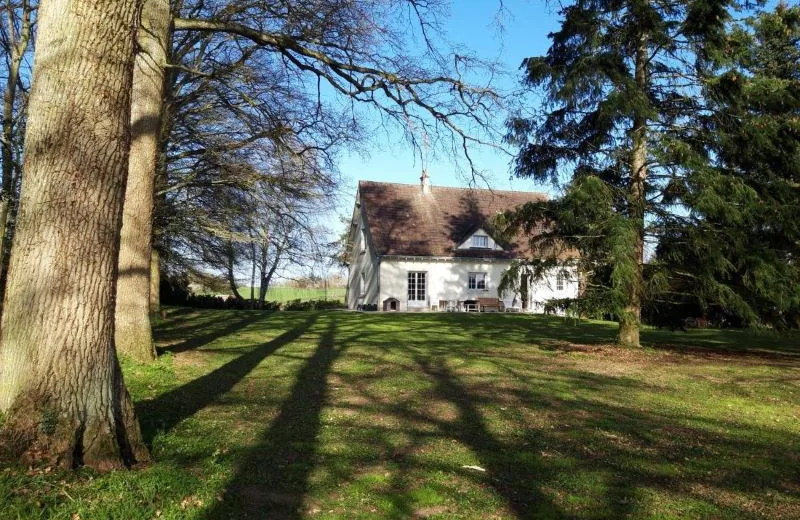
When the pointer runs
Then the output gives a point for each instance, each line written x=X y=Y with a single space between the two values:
x=207 y=301
x=288 y=293
x=176 y=292
x=312 y=305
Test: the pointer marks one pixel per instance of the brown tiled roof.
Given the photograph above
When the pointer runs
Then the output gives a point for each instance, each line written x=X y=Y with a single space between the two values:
x=404 y=221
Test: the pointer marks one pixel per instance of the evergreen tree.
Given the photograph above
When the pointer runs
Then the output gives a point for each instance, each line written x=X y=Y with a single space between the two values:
x=618 y=85
x=736 y=248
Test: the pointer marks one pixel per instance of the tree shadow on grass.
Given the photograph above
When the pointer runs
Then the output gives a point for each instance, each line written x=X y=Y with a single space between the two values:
x=272 y=479
x=509 y=477
x=214 y=330
x=555 y=441
x=626 y=450
x=168 y=409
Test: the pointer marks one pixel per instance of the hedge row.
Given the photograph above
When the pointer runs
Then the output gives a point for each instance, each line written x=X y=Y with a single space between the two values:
x=205 y=301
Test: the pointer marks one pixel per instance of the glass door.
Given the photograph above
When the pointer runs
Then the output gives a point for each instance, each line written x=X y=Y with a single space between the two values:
x=417 y=288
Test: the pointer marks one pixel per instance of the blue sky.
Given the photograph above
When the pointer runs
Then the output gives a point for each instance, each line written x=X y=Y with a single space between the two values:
x=472 y=24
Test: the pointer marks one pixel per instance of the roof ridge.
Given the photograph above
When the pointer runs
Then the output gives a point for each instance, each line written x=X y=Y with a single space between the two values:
x=461 y=188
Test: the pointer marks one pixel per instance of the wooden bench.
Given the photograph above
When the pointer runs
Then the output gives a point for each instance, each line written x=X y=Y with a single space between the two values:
x=490 y=304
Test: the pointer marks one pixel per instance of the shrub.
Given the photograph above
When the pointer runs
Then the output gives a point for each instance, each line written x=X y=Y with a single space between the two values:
x=312 y=305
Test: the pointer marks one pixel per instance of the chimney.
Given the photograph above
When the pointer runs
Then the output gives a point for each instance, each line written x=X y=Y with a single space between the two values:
x=425 y=182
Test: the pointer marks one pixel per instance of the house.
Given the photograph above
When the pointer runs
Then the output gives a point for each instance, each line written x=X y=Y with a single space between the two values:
x=423 y=247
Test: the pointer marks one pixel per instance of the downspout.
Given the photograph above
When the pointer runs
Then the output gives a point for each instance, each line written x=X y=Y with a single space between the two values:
x=378 y=266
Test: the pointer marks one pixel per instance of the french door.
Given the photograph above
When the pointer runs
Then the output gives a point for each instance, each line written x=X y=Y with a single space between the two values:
x=417 y=288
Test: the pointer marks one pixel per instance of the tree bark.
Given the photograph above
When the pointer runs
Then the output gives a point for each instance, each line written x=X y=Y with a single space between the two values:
x=253 y=272
x=266 y=278
x=60 y=381
x=155 y=282
x=231 y=275
x=628 y=333
x=133 y=333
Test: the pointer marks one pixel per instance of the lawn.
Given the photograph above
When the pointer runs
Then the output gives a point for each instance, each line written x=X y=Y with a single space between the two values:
x=350 y=415
x=285 y=294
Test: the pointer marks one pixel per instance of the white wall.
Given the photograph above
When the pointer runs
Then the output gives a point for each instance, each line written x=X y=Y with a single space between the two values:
x=547 y=288
x=447 y=280
x=362 y=260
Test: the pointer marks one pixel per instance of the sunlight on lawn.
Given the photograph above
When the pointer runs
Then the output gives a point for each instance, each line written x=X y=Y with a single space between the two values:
x=351 y=415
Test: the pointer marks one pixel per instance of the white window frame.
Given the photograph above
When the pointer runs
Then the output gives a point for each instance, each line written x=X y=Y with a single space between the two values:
x=561 y=279
x=477 y=281
x=417 y=286
x=483 y=239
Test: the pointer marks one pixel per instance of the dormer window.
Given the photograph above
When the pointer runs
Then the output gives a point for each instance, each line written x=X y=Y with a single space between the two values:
x=480 y=241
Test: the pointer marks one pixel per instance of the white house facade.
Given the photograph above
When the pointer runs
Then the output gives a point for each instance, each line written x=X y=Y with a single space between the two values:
x=426 y=248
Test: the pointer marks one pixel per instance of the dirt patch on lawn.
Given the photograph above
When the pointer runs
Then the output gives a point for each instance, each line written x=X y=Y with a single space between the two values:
x=428 y=512
x=672 y=353
x=684 y=354
x=190 y=359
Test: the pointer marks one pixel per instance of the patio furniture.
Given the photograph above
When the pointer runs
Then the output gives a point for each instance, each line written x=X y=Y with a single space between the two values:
x=470 y=305
x=490 y=304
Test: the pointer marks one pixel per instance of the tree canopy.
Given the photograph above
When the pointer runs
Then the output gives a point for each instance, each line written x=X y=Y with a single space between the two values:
x=642 y=111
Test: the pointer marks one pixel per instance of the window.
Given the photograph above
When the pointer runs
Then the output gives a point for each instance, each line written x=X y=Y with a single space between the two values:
x=561 y=277
x=477 y=281
x=363 y=290
x=480 y=241
x=416 y=286
x=363 y=240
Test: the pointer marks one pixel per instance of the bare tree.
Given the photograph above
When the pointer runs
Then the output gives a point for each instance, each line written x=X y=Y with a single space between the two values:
x=60 y=382
x=247 y=76
x=255 y=229
x=16 y=36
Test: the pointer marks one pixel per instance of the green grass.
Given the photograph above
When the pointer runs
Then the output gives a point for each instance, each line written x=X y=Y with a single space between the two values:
x=285 y=294
x=351 y=415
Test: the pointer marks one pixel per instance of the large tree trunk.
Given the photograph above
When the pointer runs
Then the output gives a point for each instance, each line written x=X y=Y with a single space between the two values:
x=630 y=317
x=60 y=381
x=133 y=333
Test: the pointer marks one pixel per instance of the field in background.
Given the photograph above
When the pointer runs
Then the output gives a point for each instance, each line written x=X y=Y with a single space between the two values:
x=285 y=294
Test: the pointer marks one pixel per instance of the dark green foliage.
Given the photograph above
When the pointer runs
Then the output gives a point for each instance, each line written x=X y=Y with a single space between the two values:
x=312 y=305
x=617 y=84
x=714 y=109
x=584 y=219
x=736 y=248
x=174 y=288
x=210 y=301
